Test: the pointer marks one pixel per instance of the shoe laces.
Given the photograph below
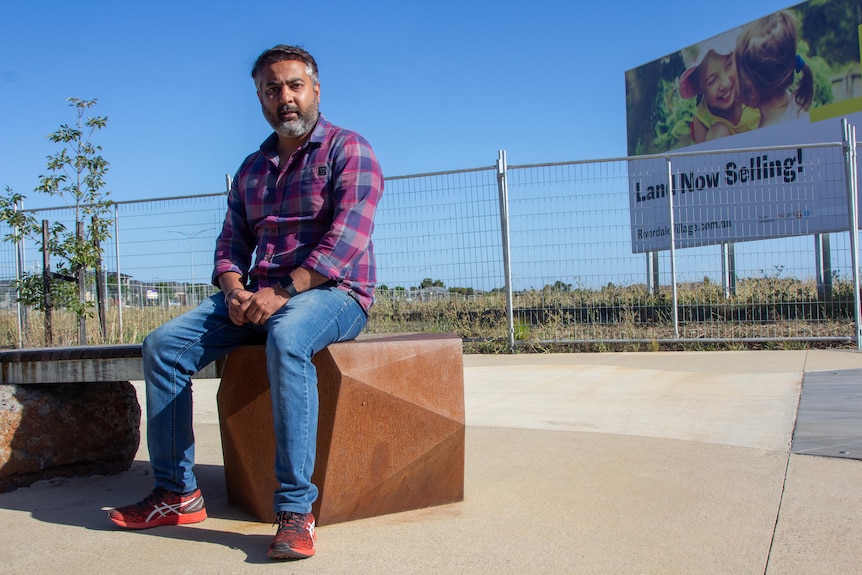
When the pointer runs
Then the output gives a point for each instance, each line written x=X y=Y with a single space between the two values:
x=160 y=494
x=155 y=496
x=293 y=521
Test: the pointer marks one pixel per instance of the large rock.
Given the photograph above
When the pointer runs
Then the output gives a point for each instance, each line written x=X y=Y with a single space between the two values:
x=67 y=429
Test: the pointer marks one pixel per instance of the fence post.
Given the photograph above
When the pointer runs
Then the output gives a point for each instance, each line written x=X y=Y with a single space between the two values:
x=119 y=275
x=849 y=138
x=823 y=262
x=101 y=286
x=503 y=189
x=656 y=278
x=81 y=274
x=46 y=287
x=649 y=281
x=728 y=269
x=22 y=312
x=673 y=290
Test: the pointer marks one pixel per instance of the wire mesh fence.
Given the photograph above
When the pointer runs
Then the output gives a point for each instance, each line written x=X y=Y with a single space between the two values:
x=555 y=262
x=577 y=279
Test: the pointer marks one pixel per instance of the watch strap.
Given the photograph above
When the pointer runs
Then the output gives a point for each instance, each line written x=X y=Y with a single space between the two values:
x=289 y=288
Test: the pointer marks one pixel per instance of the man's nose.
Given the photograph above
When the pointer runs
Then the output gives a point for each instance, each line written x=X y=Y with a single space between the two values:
x=285 y=96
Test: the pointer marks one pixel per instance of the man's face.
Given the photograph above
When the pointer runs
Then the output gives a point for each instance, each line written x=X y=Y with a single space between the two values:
x=289 y=98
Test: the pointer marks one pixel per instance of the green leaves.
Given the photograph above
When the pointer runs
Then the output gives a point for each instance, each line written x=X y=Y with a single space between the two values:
x=76 y=175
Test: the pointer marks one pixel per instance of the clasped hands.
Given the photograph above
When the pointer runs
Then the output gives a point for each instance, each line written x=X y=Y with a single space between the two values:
x=253 y=307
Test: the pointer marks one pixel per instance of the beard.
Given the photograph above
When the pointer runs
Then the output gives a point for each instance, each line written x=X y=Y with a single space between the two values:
x=303 y=124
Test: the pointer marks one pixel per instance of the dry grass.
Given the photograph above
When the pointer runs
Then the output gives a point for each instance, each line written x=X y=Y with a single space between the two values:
x=764 y=312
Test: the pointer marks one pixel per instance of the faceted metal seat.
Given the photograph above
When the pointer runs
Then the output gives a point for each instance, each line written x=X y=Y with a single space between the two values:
x=390 y=431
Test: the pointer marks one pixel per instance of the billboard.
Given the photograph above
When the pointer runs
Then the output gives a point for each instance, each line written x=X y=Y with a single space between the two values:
x=785 y=79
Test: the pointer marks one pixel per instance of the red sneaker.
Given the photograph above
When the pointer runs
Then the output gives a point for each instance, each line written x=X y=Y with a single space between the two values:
x=161 y=507
x=295 y=536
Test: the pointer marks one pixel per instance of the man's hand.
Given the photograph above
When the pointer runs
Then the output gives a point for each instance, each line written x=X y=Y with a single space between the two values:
x=257 y=307
x=235 y=300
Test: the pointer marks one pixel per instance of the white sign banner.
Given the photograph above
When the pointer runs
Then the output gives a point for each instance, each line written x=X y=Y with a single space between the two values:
x=737 y=196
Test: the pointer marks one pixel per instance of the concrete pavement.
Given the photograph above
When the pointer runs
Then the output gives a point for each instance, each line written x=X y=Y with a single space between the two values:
x=576 y=463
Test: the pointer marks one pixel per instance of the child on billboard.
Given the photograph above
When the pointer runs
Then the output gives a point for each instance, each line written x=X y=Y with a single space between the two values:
x=767 y=65
x=711 y=76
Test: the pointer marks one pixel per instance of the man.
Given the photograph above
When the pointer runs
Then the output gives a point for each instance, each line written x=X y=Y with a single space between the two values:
x=303 y=205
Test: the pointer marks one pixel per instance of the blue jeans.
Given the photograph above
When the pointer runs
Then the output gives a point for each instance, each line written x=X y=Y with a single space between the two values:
x=176 y=350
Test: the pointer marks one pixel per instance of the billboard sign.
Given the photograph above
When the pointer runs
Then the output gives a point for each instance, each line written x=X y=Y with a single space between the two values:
x=785 y=79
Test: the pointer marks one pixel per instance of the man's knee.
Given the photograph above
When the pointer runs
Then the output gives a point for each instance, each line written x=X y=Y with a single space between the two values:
x=153 y=342
x=277 y=348
x=159 y=343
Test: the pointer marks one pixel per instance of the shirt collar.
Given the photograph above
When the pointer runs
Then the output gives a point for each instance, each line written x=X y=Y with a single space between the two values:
x=318 y=135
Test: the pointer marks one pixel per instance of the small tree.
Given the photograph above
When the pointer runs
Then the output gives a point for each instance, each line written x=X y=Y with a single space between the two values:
x=76 y=176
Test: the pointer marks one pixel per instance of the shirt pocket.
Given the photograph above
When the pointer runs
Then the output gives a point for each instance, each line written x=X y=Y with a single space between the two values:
x=307 y=192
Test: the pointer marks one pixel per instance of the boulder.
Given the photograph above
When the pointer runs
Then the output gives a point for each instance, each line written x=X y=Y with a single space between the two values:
x=66 y=429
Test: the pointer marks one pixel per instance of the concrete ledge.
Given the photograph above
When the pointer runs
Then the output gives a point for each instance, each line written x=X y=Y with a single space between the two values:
x=93 y=363
x=69 y=411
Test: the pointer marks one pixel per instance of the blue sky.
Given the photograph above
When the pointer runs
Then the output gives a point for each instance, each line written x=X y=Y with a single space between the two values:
x=433 y=86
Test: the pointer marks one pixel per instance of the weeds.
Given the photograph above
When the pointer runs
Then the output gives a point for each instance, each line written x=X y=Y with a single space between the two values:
x=614 y=318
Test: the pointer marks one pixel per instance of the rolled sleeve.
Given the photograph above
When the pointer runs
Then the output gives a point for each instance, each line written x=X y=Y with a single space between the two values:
x=357 y=188
x=233 y=252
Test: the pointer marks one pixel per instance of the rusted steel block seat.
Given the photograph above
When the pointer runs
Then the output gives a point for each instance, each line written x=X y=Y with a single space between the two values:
x=390 y=431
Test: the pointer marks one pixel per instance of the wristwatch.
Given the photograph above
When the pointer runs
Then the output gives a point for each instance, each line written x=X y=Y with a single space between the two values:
x=289 y=288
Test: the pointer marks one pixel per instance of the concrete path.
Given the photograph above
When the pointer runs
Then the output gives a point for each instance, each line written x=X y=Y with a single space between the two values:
x=576 y=463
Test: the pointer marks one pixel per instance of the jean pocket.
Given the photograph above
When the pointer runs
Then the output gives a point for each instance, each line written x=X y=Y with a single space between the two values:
x=351 y=320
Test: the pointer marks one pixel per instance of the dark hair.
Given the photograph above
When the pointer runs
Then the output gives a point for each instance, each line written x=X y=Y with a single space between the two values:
x=767 y=61
x=284 y=52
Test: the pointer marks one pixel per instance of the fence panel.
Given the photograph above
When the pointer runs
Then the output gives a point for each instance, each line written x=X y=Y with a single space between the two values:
x=575 y=276
x=439 y=255
x=573 y=272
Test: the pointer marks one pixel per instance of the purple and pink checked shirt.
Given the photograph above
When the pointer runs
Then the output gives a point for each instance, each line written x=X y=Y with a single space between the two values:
x=318 y=213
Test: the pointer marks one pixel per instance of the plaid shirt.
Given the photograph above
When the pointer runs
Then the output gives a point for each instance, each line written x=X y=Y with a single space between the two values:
x=318 y=213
